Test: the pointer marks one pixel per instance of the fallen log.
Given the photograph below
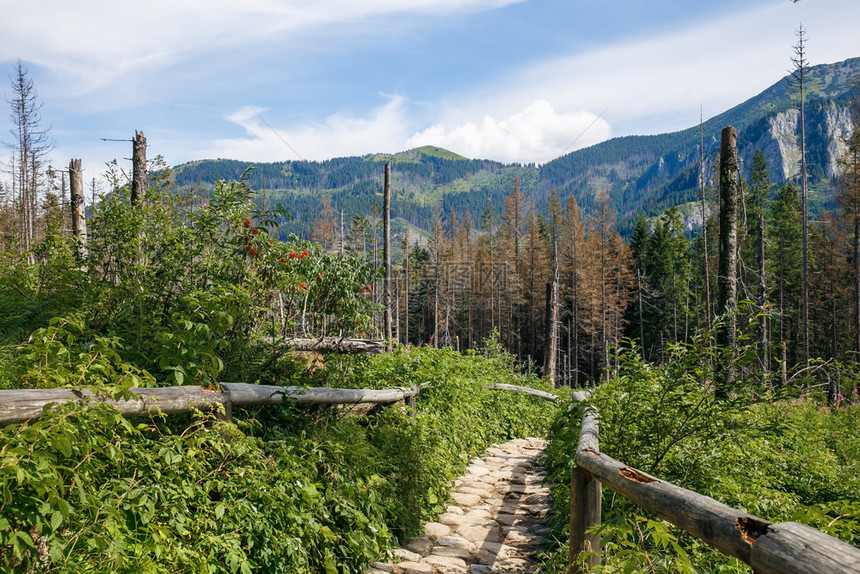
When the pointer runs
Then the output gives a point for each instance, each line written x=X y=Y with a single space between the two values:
x=335 y=345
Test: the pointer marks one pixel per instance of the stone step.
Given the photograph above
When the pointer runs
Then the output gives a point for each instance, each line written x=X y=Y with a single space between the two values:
x=494 y=522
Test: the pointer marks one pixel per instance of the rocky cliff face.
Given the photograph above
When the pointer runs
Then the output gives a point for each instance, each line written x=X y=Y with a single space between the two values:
x=827 y=126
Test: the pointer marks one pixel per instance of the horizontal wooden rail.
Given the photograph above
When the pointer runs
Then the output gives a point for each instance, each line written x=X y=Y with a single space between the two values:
x=526 y=390
x=17 y=406
x=787 y=548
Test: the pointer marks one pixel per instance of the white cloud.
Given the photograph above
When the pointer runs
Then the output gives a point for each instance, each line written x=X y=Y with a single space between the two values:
x=658 y=83
x=536 y=134
x=385 y=129
x=95 y=43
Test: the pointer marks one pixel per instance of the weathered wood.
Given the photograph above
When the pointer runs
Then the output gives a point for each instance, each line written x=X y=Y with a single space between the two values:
x=526 y=390
x=79 y=222
x=787 y=548
x=550 y=357
x=730 y=531
x=589 y=436
x=386 y=251
x=792 y=548
x=21 y=405
x=246 y=394
x=586 y=497
x=138 y=167
x=335 y=345
x=727 y=279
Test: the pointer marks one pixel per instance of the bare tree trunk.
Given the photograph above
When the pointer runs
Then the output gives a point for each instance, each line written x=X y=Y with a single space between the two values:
x=138 y=168
x=762 y=296
x=549 y=364
x=406 y=290
x=799 y=75
x=386 y=250
x=727 y=286
x=79 y=222
x=704 y=225
x=857 y=285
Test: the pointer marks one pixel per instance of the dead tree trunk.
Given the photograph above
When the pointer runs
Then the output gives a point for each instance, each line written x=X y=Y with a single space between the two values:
x=857 y=284
x=79 y=223
x=764 y=339
x=386 y=250
x=138 y=168
x=704 y=225
x=551 y=351
x=727 y=285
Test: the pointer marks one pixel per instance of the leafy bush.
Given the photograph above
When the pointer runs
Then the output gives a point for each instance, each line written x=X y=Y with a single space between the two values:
x=293 y=489
x=783 y=460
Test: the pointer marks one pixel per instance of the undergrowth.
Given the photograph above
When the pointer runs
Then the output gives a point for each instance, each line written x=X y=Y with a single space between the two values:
x=292 y=489
x=783 y=456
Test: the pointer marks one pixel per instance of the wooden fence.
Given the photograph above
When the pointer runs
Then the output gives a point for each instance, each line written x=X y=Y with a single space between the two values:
x=18 y=406
x=785 y=548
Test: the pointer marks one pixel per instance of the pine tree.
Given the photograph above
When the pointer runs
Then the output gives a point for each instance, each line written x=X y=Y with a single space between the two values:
x=759 y=190
x=785 y=246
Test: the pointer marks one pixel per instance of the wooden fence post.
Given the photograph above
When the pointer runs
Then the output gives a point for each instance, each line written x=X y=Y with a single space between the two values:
x=586 y=497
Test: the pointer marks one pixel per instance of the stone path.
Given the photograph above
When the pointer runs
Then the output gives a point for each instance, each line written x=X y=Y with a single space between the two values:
x=495 y=521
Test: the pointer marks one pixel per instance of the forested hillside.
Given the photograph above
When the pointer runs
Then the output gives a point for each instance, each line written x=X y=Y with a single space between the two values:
x=640 y=173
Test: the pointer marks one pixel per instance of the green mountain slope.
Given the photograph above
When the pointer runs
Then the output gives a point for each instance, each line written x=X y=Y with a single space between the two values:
x=641 y=173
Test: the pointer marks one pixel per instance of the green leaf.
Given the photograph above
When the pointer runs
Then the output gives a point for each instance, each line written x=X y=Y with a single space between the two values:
x=56 y=519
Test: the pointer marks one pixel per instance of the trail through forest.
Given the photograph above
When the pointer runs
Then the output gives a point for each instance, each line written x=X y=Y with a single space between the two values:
x=495 y=522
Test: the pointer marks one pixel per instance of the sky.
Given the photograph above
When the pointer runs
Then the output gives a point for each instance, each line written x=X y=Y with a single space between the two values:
x=518 y=81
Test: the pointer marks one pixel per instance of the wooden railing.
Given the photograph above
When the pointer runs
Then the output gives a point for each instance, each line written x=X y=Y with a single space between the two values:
x=18 y=406
x=785 y=548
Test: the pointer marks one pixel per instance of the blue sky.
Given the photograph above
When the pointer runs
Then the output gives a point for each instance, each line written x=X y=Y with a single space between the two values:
x=511 y=80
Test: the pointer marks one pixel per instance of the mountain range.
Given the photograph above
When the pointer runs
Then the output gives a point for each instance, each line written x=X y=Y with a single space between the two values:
x=642 y=174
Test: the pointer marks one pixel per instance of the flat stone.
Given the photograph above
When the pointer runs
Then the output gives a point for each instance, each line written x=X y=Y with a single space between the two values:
x=480 y=569
x=536 y=499
x=518 y=536
x=381 y=567
x=447 y=564
x=465 y=499
x=478 y=516
x=455 y=542
x=481 y=533
x=506 y=519
x=404 y=555
x=434 y=530
x=526 y=489
x=414 y=568
x=422 y=545
x=518 y=565
x=477 y=469
x=479 y=492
